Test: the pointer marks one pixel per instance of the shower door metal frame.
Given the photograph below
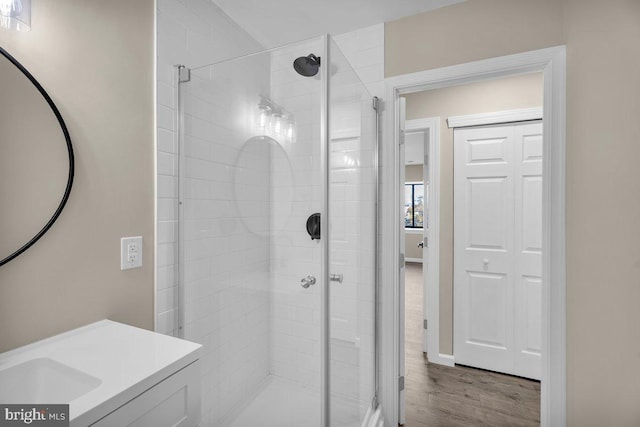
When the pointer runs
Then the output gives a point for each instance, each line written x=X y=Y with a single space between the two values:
x=325 y=347
x=182 y=75
x=376 y=105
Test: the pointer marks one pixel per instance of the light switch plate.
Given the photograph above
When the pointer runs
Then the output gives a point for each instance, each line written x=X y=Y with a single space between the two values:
x=130 y=252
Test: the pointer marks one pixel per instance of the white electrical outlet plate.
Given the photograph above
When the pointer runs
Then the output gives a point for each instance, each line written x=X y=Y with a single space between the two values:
x=130 y=252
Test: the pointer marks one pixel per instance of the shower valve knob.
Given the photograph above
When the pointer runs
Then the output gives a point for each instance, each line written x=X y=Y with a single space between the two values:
x=305 y=282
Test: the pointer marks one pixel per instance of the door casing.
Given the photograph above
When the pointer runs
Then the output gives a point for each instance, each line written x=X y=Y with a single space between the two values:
x=552 y=63
x=431 y=294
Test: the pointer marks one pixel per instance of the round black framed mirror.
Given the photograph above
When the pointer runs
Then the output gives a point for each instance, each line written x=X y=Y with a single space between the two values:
x=36 y=160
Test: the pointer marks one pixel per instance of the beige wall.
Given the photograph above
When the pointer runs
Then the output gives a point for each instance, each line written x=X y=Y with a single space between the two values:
x=413 y=173
x=603 y=180
x=475 y=29
x=603 y=193
x=95 y=58
x=32 y=180
x=495 y=95
x=411 y=245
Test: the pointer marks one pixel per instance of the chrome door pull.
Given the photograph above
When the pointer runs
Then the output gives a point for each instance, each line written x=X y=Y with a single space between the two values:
x=305 y=282
x=336 y=278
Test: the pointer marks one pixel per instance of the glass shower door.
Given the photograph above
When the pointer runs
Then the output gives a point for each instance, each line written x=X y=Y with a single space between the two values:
x=352 y=242
x=286 y=319
x=250 y=178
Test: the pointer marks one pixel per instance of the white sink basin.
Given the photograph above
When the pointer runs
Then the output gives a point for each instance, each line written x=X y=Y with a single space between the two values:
x=96 y=369
x=44 y=380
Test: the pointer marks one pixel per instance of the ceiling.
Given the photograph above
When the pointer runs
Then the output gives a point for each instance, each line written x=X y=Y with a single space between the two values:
x=277 y=22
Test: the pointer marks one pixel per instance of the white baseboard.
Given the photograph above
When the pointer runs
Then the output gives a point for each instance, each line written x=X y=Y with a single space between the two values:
x=413 y=260
x=442 y=359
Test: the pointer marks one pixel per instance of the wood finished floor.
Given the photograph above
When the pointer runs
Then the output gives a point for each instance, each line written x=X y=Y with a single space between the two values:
x=440 y=396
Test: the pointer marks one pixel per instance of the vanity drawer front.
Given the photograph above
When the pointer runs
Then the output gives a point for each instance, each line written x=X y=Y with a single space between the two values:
x=174 y=402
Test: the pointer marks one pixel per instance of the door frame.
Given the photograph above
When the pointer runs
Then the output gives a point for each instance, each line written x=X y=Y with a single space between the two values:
x=431 y=292
x=552 y=63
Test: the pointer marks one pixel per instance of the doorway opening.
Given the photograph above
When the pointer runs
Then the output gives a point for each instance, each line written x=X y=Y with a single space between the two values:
x=489 y=249
x=488 y=196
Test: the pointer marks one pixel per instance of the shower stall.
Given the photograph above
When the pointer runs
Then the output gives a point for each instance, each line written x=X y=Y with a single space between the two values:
x=277 y=224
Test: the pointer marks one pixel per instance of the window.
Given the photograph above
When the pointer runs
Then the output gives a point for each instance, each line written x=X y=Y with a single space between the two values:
x=414 y=206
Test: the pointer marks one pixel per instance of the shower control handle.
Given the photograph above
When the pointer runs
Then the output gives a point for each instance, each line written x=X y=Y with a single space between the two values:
x=305 y=282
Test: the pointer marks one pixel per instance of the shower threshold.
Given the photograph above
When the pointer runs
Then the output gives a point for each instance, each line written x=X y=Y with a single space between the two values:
x=284 y=403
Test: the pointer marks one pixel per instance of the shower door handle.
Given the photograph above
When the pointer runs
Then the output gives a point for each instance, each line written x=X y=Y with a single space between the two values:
x=305 y=282
x=336 y=278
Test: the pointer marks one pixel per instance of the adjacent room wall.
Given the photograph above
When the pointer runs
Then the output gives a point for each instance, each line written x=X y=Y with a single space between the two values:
x=413 y=253
x=494 y=95
x=413 y=173
x=603 y=180
x=95 y=59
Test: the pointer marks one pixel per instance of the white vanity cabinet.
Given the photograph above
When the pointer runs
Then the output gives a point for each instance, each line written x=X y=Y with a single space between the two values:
x=175 y=401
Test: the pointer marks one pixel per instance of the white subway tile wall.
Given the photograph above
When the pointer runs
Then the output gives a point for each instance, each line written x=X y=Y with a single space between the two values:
x=296 y=194
x=194 y=33
x=175 y=20
x=364 y=49
x=226 y=241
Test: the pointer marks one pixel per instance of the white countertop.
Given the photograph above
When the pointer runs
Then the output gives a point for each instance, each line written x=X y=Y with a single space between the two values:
x=127 y=360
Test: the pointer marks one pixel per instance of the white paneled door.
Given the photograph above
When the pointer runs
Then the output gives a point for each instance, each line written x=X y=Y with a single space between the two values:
x=497 y=248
